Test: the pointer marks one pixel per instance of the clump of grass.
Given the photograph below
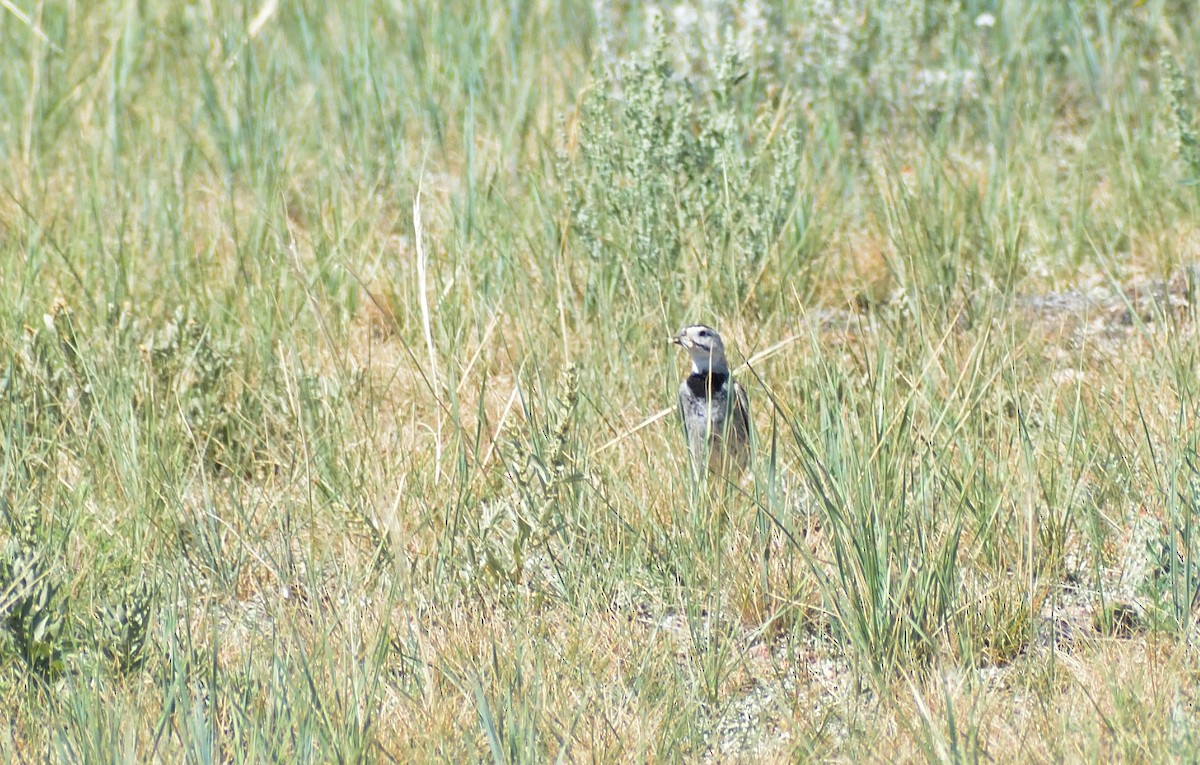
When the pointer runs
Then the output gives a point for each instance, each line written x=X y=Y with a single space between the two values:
x=523 y=533
x=1186 y=141
x=46 y=623
x=189 y=370
x=46 y=384
x=672 y=193
x=996 y=621
x=892 y=582
x=33 y=608
x=124 y=625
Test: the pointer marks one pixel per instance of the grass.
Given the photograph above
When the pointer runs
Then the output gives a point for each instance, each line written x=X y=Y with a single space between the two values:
x=328 y=330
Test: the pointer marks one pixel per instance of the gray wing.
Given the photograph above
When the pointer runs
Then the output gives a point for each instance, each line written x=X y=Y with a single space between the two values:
x=682 y=408
x=740 y=414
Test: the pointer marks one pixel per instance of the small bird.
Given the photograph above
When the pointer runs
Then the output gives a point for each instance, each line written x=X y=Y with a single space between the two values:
x=714 y=408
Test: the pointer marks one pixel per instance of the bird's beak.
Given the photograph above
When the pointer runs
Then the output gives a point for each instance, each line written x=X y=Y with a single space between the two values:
x=681 y=340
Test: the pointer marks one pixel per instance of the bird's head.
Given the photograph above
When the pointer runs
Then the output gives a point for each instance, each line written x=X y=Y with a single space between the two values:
x=704 y=346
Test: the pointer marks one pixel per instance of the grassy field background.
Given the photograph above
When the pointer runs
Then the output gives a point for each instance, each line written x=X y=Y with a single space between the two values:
x=327 y=329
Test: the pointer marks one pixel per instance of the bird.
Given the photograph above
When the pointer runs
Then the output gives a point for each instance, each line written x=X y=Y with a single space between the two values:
x=714 y=408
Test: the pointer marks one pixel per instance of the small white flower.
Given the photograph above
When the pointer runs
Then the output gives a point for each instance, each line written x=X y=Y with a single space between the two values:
x=985 y=21
x=686 y=17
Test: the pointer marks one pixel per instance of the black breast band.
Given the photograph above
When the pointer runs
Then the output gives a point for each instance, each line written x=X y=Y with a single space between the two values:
x=703 y=385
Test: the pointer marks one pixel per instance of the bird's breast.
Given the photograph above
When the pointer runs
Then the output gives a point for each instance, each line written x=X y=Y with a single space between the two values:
x=707 y=384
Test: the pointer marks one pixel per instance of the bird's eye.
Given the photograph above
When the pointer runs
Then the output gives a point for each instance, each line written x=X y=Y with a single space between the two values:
x=705 y=333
